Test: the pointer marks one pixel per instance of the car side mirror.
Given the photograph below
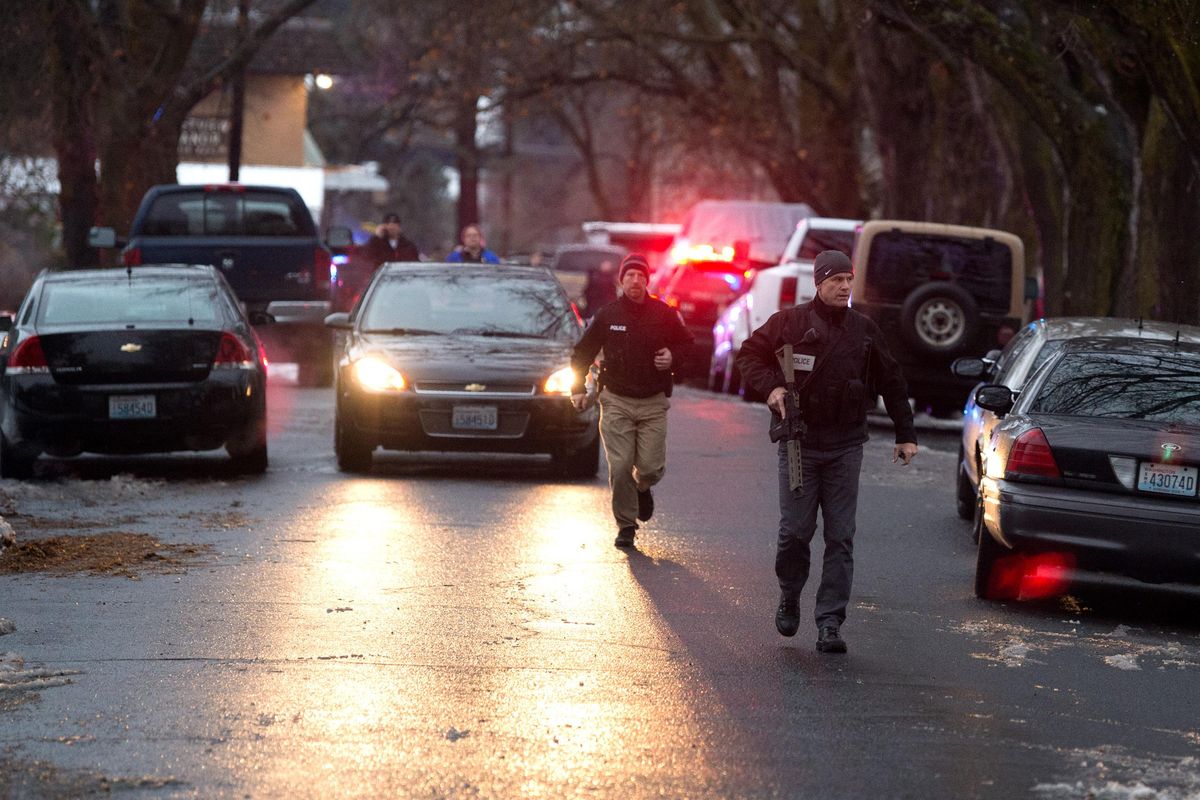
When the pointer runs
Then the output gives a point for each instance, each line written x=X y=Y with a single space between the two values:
x=260 y=318
x=338 y=238
x=339 y=320
x=5 y=323
x=995 y=398
x=968 y=367
x=102 y=238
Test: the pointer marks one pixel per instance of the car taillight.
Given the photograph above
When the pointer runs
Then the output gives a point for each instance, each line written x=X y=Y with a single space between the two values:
x=232 y=353
x=322 y=264
x=1031 y=457
x=787 y=292
x=28 y=359
x=132 y=256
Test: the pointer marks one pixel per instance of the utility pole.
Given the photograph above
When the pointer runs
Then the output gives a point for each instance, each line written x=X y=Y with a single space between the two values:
x=237 y=112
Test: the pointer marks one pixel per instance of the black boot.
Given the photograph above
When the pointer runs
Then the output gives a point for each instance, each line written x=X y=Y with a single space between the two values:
x=787 y=617
x=829 y=640
x=645 y=505
x=625 y=536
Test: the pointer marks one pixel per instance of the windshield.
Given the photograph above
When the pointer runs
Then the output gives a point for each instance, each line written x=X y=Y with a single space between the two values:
x=132 y=300
x=467 y=302
x=1160 y=386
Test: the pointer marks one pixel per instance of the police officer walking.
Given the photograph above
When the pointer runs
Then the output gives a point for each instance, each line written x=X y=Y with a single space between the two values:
x=642 y=338
x=841 y=364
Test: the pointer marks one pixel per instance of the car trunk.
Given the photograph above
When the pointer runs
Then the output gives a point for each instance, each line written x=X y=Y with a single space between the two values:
x=130 y=356
x=1123 y=455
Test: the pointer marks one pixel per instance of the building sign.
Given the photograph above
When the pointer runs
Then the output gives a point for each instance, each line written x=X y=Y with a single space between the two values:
x=204 y=139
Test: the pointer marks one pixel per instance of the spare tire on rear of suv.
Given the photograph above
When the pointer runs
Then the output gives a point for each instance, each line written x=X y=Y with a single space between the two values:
x=939 y=319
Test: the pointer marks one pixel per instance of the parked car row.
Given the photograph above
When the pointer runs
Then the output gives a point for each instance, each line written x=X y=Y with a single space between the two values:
x=158 y=358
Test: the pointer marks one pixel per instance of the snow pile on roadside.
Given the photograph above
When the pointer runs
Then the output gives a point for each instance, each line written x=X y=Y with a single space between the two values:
x=1149 y=779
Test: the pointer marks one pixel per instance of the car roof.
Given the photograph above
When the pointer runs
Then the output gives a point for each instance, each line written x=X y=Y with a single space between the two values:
x=1124 y=344
x=830 y=223
x=393 y=267
x=590 y=248
x=1056 y=328
x=115 y=273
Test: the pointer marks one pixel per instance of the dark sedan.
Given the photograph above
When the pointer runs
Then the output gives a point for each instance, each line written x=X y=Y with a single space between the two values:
x=455 y=357
x=144 y=359
x=1020 y=358
x=1093 y=467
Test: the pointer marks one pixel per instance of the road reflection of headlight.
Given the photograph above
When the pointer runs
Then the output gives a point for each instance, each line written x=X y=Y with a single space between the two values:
x=560 y=382
x=376 y=375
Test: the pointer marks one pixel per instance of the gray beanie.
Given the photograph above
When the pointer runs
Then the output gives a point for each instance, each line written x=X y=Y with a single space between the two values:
x=830 y=262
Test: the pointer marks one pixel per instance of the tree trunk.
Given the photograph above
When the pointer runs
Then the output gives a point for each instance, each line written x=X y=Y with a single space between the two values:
x=466 y=158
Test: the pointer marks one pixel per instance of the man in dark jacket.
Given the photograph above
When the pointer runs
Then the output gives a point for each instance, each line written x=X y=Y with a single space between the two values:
x=642 y=338
x=389 y=244
x=841 y=364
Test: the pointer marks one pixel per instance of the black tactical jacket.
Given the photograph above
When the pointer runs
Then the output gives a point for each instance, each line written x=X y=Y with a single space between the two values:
x=850 y=367
x=630 y=334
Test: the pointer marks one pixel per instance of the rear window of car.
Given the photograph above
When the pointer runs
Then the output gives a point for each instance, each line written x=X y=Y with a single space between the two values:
x=1160 y=386
x=710 y=285
x=900 y=262
x=463 y=302
x=584 y=260
x=224 y=213
x=817 y=241
x=131 y=300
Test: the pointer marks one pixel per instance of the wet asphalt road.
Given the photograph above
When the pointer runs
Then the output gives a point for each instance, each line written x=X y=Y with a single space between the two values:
x=445 y=628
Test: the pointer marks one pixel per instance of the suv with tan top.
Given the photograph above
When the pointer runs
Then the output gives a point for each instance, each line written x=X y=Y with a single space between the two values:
x=937 y=292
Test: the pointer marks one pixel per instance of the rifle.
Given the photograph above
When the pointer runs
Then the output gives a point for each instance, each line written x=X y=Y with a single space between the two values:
x=791 y=426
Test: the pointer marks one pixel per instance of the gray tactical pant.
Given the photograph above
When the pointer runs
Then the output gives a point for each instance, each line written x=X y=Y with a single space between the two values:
x=831 y=483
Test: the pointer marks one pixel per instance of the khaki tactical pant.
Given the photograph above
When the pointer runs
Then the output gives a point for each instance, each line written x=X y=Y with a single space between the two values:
x=634 y=432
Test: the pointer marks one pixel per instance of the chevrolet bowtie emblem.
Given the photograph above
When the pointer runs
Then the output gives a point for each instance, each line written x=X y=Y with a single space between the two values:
x=130 y=347
x=1170 y=449
x=475 y=387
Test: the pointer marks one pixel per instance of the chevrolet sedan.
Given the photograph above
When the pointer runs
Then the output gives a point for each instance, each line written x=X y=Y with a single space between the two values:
x=456 y=357
x=139 y=360
x=1093 y=466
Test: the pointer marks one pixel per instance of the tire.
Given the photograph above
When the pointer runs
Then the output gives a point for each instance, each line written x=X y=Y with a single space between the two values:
x=716 y=376
x=987 y=555
x=582 y=463
x=939 y=319
x=353 y=452
x=253 y=462
x=965 y=500
x=733 y=376
x=15 y=463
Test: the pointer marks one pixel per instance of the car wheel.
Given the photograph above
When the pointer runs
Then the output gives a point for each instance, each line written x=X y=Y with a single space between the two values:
x=15 y=463
x=582 y=463
x=716 y=375
x=939 y=319
x=253 y=462
x=965 y=500
x=353 y=452
x=991 y=582
x=733 y=376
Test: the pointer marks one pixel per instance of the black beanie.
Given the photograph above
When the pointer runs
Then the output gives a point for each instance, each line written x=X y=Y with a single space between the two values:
x=634 y=261
x=830 y=262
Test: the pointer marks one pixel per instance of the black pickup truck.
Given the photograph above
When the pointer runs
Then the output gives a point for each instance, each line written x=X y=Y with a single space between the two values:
x=264 y=241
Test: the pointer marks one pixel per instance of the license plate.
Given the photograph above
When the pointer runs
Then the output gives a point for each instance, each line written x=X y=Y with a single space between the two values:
x=1173 y=479
x=475 y=418
x=132 y=406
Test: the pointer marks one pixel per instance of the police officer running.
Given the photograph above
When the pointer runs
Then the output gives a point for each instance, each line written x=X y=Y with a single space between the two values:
x=642 y=338
x=840 y=364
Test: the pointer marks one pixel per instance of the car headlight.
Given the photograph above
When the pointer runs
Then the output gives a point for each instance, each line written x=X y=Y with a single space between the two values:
x=376 y=375
x=560 y=382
